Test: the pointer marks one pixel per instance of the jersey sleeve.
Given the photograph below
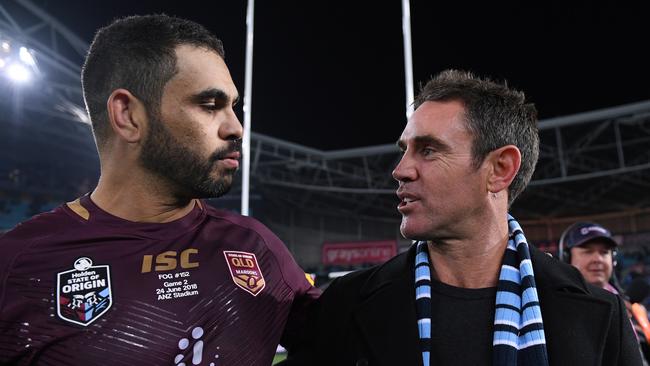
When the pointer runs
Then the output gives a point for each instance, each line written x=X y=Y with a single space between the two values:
x=9 y=252
x=22 y=237
x=293 y=275
x=12 y=244
x=300 y=282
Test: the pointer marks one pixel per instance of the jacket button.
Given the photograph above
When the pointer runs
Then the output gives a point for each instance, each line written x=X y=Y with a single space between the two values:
x=362 y=362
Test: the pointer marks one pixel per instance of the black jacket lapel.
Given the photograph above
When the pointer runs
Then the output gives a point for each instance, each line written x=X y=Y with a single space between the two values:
x=387 y=322
x=386 y=317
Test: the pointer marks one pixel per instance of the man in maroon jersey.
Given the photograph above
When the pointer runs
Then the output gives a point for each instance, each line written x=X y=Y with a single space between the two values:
x=141 y=272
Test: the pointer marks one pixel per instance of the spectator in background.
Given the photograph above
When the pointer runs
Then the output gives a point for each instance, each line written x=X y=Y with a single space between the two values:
x=636 y=270
x=591 y=248
x=638 y=290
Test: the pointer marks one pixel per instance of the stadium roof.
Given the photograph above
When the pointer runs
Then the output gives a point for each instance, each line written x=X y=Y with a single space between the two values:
x=597 y=161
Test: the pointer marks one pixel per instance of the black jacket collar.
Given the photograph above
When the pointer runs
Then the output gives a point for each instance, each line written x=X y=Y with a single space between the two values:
x=549 y=273
x=386 y=313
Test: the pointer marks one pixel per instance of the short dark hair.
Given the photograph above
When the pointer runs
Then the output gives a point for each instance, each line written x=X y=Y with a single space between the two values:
x=495 y=115
x=137 y=53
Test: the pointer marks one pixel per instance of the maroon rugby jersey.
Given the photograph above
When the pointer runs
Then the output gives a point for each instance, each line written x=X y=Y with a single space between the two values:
x=82 y=287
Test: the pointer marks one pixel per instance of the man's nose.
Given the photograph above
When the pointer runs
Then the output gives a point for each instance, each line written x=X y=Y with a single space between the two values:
x=405 y=170
x=231 y=128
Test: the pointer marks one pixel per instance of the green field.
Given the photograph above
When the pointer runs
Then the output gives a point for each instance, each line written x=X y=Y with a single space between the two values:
x=279 y=357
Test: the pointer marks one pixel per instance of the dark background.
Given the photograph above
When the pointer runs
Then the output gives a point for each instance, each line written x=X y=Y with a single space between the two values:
x=330 y=74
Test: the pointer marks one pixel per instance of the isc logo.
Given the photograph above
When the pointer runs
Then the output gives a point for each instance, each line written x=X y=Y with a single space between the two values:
x=167 y=261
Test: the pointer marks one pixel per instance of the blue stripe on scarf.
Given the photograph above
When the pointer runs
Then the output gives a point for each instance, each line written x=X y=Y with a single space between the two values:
x=518 y=326
x=509 y=273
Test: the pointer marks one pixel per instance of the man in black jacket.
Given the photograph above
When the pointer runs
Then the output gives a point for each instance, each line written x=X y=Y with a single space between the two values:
x=470 y=291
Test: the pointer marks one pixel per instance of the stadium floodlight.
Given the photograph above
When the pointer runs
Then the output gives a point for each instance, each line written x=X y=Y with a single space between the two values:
x=17 y=62
x=4 y=53
x=26 y=56
x=18 y=72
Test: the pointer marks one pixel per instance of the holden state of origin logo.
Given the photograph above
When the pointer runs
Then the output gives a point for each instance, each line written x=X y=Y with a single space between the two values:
x=84 y=292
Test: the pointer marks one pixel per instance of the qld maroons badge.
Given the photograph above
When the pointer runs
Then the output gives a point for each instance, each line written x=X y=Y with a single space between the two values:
x=245 y=271
x=84 y=292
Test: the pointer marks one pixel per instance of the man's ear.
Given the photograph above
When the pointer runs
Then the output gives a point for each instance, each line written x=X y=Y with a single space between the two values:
x=504 y=164
x=127 y=116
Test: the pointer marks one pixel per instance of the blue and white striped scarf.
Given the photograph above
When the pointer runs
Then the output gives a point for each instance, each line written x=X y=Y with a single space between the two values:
x=518 y=327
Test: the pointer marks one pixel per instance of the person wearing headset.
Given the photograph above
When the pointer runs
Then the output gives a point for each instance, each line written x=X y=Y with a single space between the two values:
x=592 y=250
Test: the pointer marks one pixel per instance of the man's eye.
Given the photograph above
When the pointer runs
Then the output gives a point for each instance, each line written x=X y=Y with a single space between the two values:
x=210 y=106
x=427 y=151
x=213 y=104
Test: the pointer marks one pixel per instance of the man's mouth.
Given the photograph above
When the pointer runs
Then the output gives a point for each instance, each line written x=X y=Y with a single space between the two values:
x=406 y=199
x=231 y=160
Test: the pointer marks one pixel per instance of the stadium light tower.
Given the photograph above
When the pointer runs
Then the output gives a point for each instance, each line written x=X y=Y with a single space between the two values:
x=47 y=58
x=18 y=72
x=17 y=62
